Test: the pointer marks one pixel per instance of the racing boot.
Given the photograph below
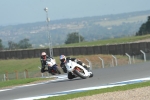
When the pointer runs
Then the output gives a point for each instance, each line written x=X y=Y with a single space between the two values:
x=43 y=70
x=87 y=67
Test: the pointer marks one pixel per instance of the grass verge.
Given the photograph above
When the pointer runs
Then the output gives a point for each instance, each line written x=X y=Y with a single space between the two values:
x=99 y=91
x=107 y=41
x=11 y=83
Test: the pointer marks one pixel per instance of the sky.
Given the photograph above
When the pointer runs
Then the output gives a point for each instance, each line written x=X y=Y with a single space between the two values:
x=13 y=12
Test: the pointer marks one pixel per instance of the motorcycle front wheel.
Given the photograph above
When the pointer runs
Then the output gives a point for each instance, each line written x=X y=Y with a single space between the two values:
x=70 y=76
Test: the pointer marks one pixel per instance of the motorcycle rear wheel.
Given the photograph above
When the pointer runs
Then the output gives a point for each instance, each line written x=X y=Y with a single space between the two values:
x=79 y=74
x=58 y=71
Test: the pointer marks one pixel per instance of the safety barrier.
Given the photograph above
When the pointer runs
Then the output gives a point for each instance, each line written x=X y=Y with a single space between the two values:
x=115 y=49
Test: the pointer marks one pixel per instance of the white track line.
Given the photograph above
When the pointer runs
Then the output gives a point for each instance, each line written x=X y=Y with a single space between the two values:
x=88 y=88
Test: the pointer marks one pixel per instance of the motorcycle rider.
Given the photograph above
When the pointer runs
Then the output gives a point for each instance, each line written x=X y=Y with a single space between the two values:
x=63 y=60
x=51 y=64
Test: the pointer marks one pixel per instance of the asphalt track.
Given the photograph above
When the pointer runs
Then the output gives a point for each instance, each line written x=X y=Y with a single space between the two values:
x=102 y=76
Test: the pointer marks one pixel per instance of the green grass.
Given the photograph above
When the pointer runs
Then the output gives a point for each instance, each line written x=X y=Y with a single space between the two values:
x=32 y=64
x=108 y=41
x=19 y=65
x=99 y=91
x=20 y=82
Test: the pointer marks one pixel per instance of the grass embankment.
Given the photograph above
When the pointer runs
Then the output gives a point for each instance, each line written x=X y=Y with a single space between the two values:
x=11 y=83
x=108 y=41
x=12 y=65
x=32 y=64
x=19 y=65
x=99 y=91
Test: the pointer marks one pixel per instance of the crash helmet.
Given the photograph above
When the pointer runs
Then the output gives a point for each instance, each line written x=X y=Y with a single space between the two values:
x=62 y=58
x=43 y=54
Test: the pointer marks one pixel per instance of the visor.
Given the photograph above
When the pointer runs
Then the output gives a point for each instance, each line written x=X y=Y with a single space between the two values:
x=62 y=60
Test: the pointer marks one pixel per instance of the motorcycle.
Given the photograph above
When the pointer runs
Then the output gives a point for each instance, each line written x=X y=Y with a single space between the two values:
x=76 y=70
x=52 y=67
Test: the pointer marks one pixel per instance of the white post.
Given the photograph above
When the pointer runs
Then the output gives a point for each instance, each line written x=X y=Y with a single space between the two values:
x=49 y=36
x=102 y=61
x=115 y=59
x=89 y=64
x=112 y=62
x=144 y=55
x=133 y=60
x=4 y=77
x=24 y=74
x=42 y=74
x=39 y=67
x=48 y=74
x=79 y=37
x=129 y=58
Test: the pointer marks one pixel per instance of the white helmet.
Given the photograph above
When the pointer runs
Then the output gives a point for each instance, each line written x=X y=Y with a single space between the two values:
x=43 y=54
x=62 y=58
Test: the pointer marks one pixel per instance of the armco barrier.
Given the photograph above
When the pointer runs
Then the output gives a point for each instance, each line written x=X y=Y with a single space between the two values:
x=115 y=49
x=89 y=50
x=135 y=48
x=120 y=49
x=112 y=49
x=96 y=50
x=76 y=50
x=2 y=55
x=56 y=52
x=142 y=46
x=148 y=46
x=104 y=49
x=19 y=54
x=82 y=50
x=127 y=48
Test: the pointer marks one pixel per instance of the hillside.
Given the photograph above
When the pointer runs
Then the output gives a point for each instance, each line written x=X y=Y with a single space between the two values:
x=91 y=28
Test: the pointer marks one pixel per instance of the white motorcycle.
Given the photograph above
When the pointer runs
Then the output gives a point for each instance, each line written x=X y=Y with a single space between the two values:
x=52 y=66
x=76 y=70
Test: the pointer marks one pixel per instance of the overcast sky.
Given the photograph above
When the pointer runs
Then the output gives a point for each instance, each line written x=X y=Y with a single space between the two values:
x=29 y=11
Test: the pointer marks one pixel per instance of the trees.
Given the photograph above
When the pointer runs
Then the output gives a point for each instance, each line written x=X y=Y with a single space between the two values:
x=23 y=44
x=73 y=37
x=145 y=28
x=1 y=46
x=12 y=45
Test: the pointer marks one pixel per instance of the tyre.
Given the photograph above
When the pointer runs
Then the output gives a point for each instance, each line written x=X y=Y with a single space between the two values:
x=79 y=74
x=50 y=71
x=70 y=76
x=58 y=71
x=91 y=75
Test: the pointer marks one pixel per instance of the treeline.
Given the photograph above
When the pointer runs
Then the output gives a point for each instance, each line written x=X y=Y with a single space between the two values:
x=92 y=28
x=145 y=28
x=89 y=30
x=23 y=44
x=73 y=37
